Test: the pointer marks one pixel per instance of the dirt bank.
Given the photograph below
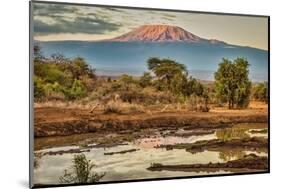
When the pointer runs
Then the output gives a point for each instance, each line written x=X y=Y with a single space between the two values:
x=249 y=163
x=63 y=121
x=255 y=143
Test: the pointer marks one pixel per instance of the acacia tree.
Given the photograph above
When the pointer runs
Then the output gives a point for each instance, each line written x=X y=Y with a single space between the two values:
x=166 y=69
x=174 y=77
x=232 y=82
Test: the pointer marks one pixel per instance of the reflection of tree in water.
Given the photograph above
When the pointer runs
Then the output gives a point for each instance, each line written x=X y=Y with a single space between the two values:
x=231 y=133
x=80 y=171
x=231 y=155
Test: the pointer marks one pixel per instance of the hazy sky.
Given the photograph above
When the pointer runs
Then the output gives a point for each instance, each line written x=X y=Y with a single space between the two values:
x=68 y=22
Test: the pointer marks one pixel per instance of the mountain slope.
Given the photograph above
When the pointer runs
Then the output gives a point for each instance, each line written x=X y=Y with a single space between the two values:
x=162 y=33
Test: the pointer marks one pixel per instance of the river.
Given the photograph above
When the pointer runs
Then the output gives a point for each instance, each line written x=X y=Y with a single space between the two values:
x=133 y=165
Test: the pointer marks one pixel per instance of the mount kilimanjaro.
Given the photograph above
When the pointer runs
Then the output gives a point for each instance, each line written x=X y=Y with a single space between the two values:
x=129 y=52
x=163 y=33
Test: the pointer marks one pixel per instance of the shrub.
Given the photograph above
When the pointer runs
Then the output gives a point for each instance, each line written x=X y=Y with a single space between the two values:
x=54 y=91
x=57 y=76
x=145 y=80
x=77 y=90
x=52 y=73
x=80 y=171
x=88 y=82
x=39 y=91
x=260 y=92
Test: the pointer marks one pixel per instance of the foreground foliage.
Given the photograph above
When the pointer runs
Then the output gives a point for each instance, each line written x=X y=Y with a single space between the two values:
x=80 y=171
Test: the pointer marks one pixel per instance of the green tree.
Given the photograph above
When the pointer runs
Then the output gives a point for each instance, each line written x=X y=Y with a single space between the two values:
x=39 y=91
x=178 y=84
x=232 y=82
x=166 y=69
x=127 y=81
x=57 y=77
x=52 y=73
x=80 y=67
x=193 y=86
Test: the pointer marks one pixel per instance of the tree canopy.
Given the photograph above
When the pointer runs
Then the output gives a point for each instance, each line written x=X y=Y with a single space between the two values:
x=232 y=82
x=173 y=76
x=165 y=69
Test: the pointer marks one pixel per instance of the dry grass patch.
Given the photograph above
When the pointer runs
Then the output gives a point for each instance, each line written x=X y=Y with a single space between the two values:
x=120 y=107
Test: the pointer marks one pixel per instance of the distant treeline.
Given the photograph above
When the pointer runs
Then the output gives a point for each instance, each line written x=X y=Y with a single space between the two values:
x=168 y=81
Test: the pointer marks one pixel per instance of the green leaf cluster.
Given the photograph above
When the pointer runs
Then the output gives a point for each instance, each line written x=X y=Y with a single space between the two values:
x=232 y=83
x=61 y=78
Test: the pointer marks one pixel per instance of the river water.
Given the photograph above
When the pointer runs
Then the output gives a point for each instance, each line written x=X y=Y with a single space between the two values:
x=133 y=165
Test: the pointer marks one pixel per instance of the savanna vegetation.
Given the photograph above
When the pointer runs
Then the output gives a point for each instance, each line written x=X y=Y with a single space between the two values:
x=167 y=82
x=60 y=78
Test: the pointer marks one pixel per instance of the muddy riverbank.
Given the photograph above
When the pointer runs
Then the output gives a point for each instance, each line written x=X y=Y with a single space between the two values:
x=249 y=163
x=63 y=122
x=254 y=143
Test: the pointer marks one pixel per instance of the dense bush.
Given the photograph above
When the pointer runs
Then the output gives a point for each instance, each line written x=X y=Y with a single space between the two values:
x=260 y=92
x=39 y=91
x=145 y=80
x=59 y=78
x=77 y=91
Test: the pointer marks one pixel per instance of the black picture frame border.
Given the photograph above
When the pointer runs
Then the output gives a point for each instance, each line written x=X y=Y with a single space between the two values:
x=31 y=109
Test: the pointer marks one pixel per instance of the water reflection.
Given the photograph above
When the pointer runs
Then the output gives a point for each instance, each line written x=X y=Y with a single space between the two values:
x=228 y=155
x=49 y=168
x=170 y=140
x=258 y=133
x=231 y=133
